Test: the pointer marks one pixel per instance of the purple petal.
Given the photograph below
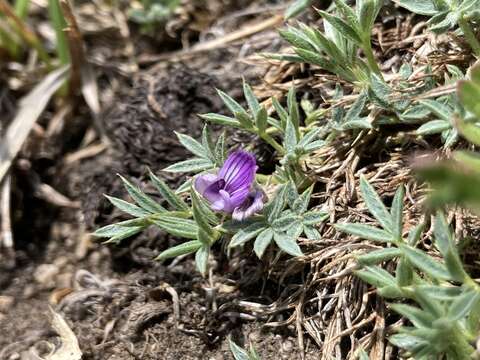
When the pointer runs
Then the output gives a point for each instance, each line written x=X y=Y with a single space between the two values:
x=223 y=203
x=252 y=204
x=202 y=182
x=238 y=170
x=213 y=192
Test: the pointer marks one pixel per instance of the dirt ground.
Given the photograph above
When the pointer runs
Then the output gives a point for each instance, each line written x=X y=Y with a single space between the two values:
x=118 y=301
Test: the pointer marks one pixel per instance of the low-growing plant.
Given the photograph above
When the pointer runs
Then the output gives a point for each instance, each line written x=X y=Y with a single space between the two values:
x=443 y=300
x=226 y=198
x=153 y=13
x=445 y=15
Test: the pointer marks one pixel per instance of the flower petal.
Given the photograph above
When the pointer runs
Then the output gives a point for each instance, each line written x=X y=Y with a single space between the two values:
x=212 y=192
x=238 y=170
x=252 y=204
x=202 y=182
x=223 y=203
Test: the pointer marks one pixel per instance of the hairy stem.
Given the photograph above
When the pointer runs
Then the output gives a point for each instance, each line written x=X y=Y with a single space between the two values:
x=469 y=35
x=372 y=63
x=271 y=141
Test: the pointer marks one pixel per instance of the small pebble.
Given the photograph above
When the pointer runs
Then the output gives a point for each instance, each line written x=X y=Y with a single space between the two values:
x=6 y=302
x=45 y=275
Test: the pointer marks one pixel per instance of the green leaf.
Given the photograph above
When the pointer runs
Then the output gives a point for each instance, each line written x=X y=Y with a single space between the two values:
x=300 y=205
x=365 y=232
x=127 y=207
x=375 y=205
x=443 y=111
x=418 y=317
x=285 y=221
x=287 y=244
x=469 y=94
x=367 y=14
x=281 y=112
x=186 y=186
x=415 y=234
x=404 y=273
x=262 y=241
x=261 y=119
x=422 y=7
x=443 y=235
x=290 y=140
x=315 y=217
x=296 y=38
x=237 y=352
x=201 y=214
x=128 y=232
x=144 y=201
x=119 y=228
x=176 y=226
x=342 y=27
x=295 y=8
x=378 y=256
x=348 y=13
x=397 y=212
x=173 y=199
x=406 y=341
x=462 y=305
x=192 y=145
x=293 y=111
x=188 y=247
x=275 y=207
x=426 y=263
x=201 y=259
x=252 y=101
x=246 y=234
x=376 y=276
x=244 y=119
x=191 y=165
x=207 y=143
x=220 y=119
x=231 y=104
x=433 y=127
x=311 y=233
x=442 y=293
x=220 y=150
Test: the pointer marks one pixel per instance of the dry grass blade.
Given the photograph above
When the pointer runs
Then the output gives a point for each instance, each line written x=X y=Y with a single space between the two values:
x=69 y=350
x=30 y=109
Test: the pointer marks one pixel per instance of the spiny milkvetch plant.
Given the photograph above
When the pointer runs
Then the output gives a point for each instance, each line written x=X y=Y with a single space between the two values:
x=445 y=301
x=336 y=49
x=447 y=14
x=456 y=180
x=225 y=199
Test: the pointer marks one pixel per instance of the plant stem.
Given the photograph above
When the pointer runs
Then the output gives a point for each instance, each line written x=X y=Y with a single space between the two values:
x=271 y=141
x=372 y=63
x=469 y=35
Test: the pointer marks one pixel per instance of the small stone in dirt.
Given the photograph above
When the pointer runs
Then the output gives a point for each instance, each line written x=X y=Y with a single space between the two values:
x=287 y=346
x=6 y=302
x=45 y=275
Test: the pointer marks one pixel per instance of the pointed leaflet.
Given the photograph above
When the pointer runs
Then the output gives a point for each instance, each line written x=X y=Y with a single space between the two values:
x=376 y=276
x=287 y=244
x=426 y=263
x=201 y=259
x=144 y=201
x=231 y=104
x=365 y=232
x=237 y=352
x=378 y=256
x=188 y=247
x=201 y=214
x=191 y=165
x=192 y=145
x=342 y=27
x=262 y=241
x=207 y=143
x=252 y=101
x=418 y=317
x=127 y=207
x=246 y=234
x=220 y=119
x=397 y=213
x=173 y=199
x=176 y=226
x=375 y=205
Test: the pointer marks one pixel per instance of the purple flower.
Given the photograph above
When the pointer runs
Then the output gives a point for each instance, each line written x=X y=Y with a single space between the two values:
x=231 y=190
